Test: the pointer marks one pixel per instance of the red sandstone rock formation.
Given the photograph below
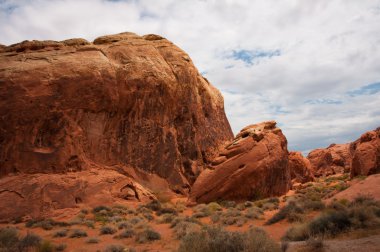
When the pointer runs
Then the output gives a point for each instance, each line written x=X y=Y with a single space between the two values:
x=335 y=159
x=252 y=166
x=122 y=100
x=366 y=154
x=300 y=168
x=36 y=195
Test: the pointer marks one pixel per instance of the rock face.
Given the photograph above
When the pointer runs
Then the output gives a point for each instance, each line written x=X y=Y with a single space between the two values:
x=335 y=159
x=300 y=168
x=121 y=100
x=36 y=195
x=366 y=154
x=252 y=166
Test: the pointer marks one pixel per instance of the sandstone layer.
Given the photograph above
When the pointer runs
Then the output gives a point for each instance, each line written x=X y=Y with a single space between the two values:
x=123 y=100
x=335 y=159
x=300 y=168
x=37 y=195
x=254 y=165
x=366 y=154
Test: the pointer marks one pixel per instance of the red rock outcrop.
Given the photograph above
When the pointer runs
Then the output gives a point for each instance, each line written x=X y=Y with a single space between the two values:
x=252 y=166
x=366 y=154
x=37 y=195
x=335 y=159
x=300 y=168
x=122 y=100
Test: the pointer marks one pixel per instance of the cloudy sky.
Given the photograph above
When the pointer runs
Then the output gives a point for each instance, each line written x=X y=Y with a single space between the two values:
x=311 y=65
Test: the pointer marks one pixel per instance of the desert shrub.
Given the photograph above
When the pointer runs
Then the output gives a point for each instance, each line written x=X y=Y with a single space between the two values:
x=183 y=228
x=9 y=237
x=46 y=246
x=231 y=216
x=128 y=233
x=201 y=210
x=215 y=217
x=297 y=233
x=29 y=241
x=136 y=220
x=248 y=204
x=240 y=221
x=180 y=206
x=257 y=240
x=154 y=205
x=99 y=209
x=178 y=220
x=114 y=248
x=47 y=224
x=89 y=223
x=228 y=204
x=124 y=225
x=61 y=233
x=166 y=218
x=107 y=230
x=337 y=205
x=269 y=203
x=60 y=247
x=147 y=235
x=240 y=207
x=330 y=222
x=213 y=206
x=84 y=211
x=295 y=217
x=215 y=239
x=254 y=213
x=78 y=233
x=312 y=205
x=148 y=216
x=363 y=216
x=212 y=239
x=284 y=212
x=92 y=240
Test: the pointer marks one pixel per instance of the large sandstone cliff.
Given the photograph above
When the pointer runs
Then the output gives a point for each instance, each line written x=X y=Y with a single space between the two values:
x=123 y=100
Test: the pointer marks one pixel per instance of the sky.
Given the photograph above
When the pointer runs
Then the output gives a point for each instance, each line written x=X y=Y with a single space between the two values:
x=311 y=65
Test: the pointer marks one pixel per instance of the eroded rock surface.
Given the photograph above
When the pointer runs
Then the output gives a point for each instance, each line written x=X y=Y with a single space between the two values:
x=300 y=168
x=366 y=154
x=37 y=195
x=122 y=100
x=254 y=165
x=335 y=159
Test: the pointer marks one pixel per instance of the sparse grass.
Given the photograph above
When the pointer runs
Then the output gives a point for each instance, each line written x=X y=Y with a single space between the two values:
x=254 y=213
x=29 y=241
x=78 y=233
x=47 y=224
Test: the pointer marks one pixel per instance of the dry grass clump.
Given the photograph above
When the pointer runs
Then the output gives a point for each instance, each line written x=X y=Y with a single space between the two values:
x=78 y=233
x=290 y=209
x=92 y=240
x=47 y=224
x=107 y=230
x=147 y=235
x=215 y=239
x=267 y=204
x=115 y=248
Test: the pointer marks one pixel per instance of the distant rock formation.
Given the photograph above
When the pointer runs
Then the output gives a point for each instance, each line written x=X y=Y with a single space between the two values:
x=366 y=154
x=300 y=168
x=254 y=165
x=335 y=159
x=123 y=100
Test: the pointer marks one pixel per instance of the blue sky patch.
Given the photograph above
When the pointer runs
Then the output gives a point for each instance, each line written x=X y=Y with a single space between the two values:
x=250 y=56
x=366 y=90
x=323 y=101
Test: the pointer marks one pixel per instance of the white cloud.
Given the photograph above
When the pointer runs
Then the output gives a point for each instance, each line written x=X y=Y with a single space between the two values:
x=328 y=48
